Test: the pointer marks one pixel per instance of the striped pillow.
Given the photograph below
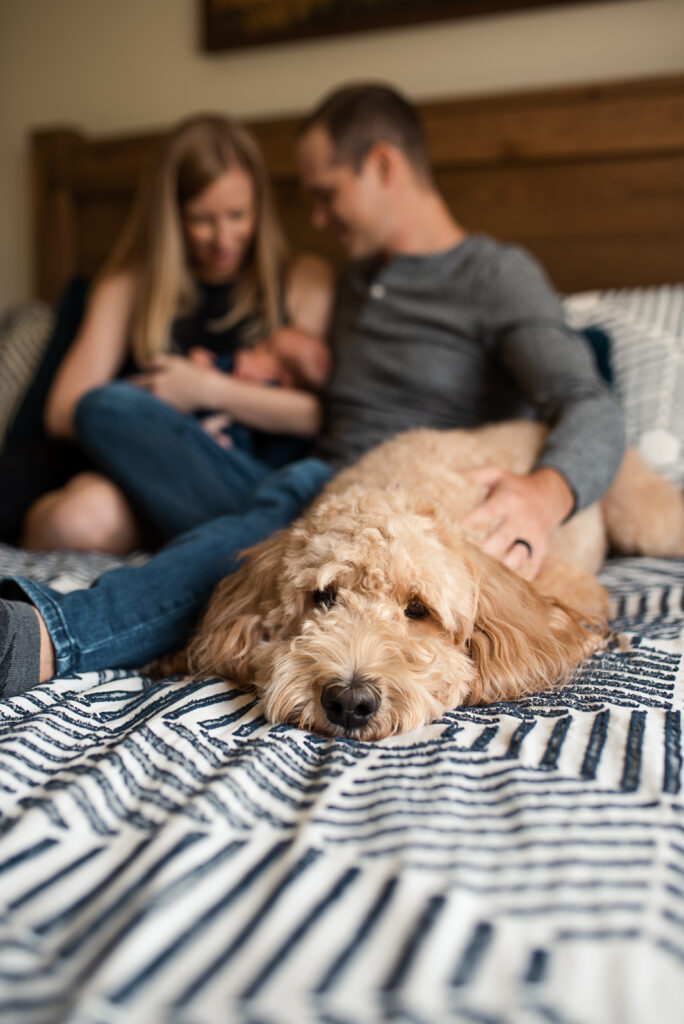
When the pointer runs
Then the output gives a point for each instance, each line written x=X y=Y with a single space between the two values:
x=24 y=333
x=646 y=331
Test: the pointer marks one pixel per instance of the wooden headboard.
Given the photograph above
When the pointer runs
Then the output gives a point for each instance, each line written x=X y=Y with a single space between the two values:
x=590 y=179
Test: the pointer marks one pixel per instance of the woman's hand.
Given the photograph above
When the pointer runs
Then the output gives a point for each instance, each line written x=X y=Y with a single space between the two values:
x=180 y=382
x=201 y=356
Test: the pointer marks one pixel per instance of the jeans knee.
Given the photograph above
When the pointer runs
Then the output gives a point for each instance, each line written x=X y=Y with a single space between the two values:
x=93 y=407
x=107 y=407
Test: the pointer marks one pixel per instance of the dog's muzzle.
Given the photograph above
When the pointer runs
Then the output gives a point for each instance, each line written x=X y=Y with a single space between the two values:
x=350 y=705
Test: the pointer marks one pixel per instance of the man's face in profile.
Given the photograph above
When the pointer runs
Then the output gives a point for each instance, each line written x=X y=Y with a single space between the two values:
x=346 y=202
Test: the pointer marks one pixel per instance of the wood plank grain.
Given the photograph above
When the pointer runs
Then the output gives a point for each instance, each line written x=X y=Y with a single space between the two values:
x=589 y=177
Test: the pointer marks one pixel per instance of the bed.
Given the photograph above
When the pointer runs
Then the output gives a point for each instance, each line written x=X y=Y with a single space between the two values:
x=166 y=854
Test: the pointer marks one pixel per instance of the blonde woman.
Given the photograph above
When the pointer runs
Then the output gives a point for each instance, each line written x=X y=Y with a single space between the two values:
x=198 y=276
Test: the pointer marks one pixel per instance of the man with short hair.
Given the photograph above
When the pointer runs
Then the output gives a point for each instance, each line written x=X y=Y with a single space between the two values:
x=433 y=327
x=440 y=328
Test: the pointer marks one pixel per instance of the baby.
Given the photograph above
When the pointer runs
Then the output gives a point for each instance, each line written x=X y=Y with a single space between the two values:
x=288 y=358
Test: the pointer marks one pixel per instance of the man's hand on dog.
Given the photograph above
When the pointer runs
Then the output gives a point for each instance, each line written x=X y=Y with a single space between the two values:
x=519 y=514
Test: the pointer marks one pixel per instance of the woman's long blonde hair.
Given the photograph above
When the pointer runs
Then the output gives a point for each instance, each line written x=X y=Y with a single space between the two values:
x=196 y=152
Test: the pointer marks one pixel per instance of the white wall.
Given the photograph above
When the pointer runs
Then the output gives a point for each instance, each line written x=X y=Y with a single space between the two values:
x=124 y=64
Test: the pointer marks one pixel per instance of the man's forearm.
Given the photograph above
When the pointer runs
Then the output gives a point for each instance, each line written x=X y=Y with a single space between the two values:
x=586 y=446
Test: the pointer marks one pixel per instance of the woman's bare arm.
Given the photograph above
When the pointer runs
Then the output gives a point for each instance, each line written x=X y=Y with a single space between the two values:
x=302 y=345
x=309 y=294
x=188 y=387
x=97 y=353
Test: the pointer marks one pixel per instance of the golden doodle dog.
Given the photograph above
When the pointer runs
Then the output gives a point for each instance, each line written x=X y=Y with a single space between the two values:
x=375 y=612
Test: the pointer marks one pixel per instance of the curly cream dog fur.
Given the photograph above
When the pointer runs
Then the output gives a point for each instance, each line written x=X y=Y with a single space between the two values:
x=375 y=612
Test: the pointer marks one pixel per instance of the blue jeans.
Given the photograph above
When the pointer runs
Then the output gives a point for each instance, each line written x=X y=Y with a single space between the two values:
x=170 y=469
x=133 y=615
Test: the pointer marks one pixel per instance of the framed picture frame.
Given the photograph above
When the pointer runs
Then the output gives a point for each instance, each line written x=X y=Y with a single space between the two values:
x=231 y=24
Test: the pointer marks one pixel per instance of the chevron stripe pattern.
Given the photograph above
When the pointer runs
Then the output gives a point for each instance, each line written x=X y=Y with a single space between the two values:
x=167 y=855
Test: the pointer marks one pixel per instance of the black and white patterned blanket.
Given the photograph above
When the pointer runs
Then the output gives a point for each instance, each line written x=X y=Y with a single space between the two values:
x=166 y=855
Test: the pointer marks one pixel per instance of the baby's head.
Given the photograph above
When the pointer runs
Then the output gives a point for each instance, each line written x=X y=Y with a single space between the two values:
x=262 y=363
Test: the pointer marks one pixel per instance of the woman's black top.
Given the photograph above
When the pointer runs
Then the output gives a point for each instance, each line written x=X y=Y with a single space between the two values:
x=196 y=328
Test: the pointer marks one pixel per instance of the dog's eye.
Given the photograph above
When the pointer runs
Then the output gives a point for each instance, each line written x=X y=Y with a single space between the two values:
x=415 y=609
x=324 y=598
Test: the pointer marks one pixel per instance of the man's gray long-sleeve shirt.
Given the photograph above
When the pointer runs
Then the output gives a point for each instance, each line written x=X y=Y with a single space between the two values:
x=461 y=338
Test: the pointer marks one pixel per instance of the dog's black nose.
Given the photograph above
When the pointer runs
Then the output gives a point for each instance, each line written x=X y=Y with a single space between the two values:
x=350 y=704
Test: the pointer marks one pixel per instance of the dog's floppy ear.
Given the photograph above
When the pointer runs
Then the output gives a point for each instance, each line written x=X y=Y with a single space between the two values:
x=522 y=641
x=244 y=610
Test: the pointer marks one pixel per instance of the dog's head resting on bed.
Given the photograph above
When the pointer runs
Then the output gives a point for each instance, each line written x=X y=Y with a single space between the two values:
x=373 y=615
